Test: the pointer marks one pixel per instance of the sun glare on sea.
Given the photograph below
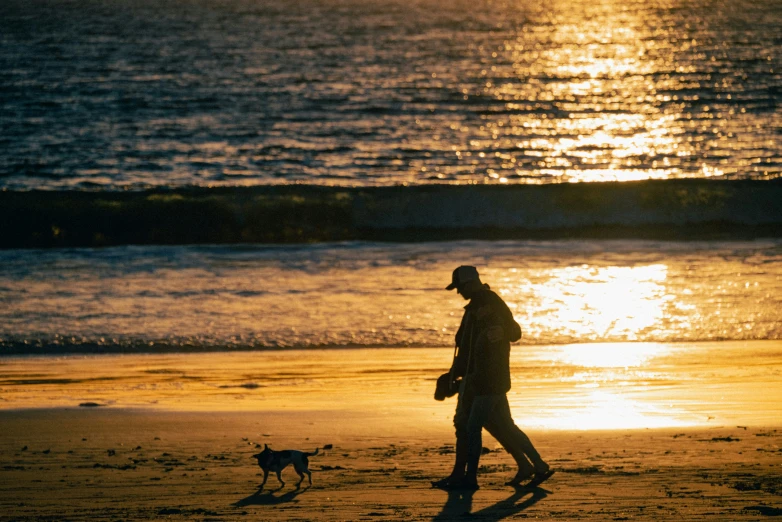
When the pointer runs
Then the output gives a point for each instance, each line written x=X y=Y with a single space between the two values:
x=604 y=385
x=601 y=303
x=602 y=61
x=592 y=302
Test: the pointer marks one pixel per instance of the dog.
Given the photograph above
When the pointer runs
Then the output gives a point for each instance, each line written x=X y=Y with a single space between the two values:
x=276 y=461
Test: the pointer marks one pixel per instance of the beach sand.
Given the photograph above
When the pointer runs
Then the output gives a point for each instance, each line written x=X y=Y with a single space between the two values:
x=91 y=464
x=138 y=437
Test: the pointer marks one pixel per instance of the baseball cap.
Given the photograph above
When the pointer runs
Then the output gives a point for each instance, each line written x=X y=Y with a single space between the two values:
x=462 y=275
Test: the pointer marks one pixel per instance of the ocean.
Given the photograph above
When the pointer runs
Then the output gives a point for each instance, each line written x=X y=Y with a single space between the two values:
x=130 y=94
x=294 y=182
x=362 y=294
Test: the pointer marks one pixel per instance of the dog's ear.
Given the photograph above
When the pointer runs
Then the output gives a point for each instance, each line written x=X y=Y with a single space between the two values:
x=265 y=446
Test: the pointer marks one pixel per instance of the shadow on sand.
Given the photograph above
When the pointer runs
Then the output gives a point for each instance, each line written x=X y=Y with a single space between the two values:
x=268 y=498
x=459 y=504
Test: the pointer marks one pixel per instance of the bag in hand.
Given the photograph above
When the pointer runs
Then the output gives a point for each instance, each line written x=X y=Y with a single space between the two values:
x=446 y=387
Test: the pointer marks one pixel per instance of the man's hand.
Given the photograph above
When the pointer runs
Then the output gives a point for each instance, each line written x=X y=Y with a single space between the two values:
x=495 y=333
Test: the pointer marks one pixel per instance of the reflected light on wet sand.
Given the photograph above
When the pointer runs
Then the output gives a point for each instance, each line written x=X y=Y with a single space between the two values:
x=606 y=386
x=608 y=355
x=604 y=410
x=586 y=386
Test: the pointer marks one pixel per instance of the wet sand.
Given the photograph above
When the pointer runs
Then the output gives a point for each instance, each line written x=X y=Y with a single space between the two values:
x=580 y=386
x=695 y=435
x=92 y=464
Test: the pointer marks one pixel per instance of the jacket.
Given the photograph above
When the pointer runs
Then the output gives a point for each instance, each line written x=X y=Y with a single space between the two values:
x=485 y=364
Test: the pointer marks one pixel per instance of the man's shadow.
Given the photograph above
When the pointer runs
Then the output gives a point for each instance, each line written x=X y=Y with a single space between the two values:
x=459 y=504
x=268 y=497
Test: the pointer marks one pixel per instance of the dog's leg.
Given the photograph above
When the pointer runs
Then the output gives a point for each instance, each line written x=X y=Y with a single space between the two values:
x=265 y=478
x=301 y=478
x=279 y=477
x=309 y=475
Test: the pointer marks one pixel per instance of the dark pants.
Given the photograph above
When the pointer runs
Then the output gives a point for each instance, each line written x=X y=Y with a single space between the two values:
x=475 y=412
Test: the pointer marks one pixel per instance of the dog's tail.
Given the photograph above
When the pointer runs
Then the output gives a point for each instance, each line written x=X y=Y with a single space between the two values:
x=313 y=453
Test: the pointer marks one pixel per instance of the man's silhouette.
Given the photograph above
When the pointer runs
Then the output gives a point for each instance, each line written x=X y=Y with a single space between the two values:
x=482 y=362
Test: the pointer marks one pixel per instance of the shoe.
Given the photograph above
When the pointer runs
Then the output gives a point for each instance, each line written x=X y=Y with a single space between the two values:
x=444 y=482
x=521 y=476
x=539 y=478
x=462 y=484
x=542 y=470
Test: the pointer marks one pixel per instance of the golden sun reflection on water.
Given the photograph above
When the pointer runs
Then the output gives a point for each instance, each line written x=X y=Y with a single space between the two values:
x=618 y=127
x=597 y=302
x=603 y=388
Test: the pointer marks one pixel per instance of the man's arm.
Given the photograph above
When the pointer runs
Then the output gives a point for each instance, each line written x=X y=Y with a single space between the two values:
x=459 y=366
x=500 y=322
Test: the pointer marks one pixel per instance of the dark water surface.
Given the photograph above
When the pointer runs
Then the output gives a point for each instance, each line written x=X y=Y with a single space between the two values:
x=103 y=96
x=383 y=295
x=136 y=93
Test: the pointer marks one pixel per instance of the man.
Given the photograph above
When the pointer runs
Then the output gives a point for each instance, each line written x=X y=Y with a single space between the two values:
x=482 y=361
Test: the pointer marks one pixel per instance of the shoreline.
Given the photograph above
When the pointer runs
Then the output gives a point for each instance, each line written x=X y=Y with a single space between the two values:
x=147 y=348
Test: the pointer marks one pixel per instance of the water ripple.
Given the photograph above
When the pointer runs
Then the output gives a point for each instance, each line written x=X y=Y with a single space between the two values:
x=140 y=93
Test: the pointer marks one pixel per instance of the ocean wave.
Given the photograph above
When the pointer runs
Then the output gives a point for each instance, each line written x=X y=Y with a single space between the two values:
x=27 y=347
x=372 y=294
x=48 y=347
x=661 y=209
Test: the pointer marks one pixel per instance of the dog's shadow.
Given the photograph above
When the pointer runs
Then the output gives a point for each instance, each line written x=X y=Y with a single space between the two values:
x=268 y=497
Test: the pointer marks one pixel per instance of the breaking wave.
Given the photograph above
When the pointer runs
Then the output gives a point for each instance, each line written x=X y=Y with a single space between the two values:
x=669 y=209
